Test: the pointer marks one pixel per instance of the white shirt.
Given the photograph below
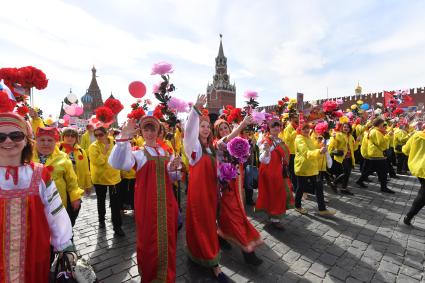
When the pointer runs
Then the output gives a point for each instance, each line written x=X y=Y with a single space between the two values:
x=58 y=221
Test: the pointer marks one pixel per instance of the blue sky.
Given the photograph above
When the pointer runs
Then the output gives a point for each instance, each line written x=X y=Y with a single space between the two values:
x=277 y=48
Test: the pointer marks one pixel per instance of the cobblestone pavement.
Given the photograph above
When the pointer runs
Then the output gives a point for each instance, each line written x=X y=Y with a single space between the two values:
x=365 y=242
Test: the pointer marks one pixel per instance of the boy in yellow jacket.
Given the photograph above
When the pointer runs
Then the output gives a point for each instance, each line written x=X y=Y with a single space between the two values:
x=377 y=142
x=415 y=150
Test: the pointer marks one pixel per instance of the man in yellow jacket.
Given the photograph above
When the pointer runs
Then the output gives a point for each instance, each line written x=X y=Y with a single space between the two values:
x=289 y=135
x=61 y=169
x=307 y=157
x=415 y=150
x=400 y=138
x=87 y=138
x=377 y=142
x=105 y=178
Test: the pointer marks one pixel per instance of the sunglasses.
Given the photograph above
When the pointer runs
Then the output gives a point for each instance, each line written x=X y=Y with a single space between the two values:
x=99 y=135
x=14 y=136
x=275 y=124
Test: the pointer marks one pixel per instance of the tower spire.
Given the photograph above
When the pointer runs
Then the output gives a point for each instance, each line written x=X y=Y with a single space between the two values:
x=220 y=50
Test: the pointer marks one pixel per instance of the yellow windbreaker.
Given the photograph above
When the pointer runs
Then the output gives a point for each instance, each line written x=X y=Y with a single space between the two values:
x=85 y=141
x=307 y=156
x=345 y=143
x=101 y=172
x=81 y=166
x=36 y=123
x=377 y=143
x=322 y=159
x=415 y=149
x=400 y=139
x=289 y=135
x=63 y=174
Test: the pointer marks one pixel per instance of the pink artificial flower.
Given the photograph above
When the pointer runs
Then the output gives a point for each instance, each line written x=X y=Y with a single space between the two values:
x=148 y=101
x=339 y=102
x=162 y=68
x=338 y=113
x=250 y=94
x=321 y=128
x=178 y=105
x=155 y=88
x=258 y=117
x=190 y=103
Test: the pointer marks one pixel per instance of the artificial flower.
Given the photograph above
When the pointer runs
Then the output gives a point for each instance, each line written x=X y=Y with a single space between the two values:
x=114 y=104
x=104 y=114
x=162 y=68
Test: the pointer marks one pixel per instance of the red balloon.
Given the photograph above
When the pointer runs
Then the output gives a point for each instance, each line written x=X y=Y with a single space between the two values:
x=137 y=89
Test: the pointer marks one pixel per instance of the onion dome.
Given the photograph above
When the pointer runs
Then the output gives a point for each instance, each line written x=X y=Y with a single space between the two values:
x=358 y=89
x=87 y=99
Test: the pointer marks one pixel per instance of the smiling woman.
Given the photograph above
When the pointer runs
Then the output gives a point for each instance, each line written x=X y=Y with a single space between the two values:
x=38 y=219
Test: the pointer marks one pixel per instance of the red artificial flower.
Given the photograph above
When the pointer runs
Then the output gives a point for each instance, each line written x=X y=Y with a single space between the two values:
x=280 y=103
x=6 y=104
x=23 y=110
x=286 y=99
x=32 y=77
x=157 y=112
x=104 y=114
x=136 y=114
x=134 y=106
x=114 y=104
x=80 y=157
x=330 y=106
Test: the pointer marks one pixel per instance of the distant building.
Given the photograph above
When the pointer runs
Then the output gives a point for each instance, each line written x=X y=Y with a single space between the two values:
x=220 y=93
x=418 y=95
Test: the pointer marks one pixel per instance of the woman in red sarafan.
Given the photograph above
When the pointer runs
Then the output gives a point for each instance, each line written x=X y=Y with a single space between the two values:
x=234 y=225
x=31 y=211
x=155 y=205
x=274 y=185
x=201 y=228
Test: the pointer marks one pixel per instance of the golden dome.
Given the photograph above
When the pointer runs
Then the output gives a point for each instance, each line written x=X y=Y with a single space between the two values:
x=358 y=89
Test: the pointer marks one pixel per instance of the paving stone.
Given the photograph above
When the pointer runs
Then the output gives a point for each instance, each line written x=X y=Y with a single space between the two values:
x=401 y=278
x=362 y=274
x=328 y=259
x=300 y=267
x=318 y=270
x=339 y=273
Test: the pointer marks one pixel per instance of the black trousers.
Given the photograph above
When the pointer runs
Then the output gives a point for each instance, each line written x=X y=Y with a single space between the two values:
x=114 y=201
x=375 y=165
x=401 y=162
x=292 y=175
x=389 y=153
x=127 y=192
x=346 y=172
x=308 y=185
x=419 y=201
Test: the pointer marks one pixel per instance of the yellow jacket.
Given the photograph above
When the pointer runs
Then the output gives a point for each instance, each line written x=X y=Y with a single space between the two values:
x=364 y=145
x=400 y=138
x=63 y=175
x=307 y=156
x=138 y=141
x=360 y=129
x=345 y=143
x=377 y=143
x=101 y=172
x=415 y=149
x=128 y=174
x=289 y=135
x=36 y=123
x=85 y=141
x=81 y=166
x=322 y=159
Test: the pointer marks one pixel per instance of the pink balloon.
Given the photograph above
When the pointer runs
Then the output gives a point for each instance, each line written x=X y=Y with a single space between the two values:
x=79 y=111
x=137 y=89
x=70 y=110
x=66 y=117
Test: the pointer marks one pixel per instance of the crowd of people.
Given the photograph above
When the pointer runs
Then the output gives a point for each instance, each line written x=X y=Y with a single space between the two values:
x=146 y=165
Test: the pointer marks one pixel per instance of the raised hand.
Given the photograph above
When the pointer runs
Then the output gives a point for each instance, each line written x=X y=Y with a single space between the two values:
x=129 y=129
x=247 y=120
x=201 y=100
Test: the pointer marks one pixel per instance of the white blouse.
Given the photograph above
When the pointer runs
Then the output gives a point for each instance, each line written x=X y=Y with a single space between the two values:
x=191 y=138
x=266 y=158
x=57 y=217
x=124 y=158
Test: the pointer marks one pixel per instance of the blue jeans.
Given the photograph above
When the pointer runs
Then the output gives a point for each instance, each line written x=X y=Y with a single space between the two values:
x=251 y=175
